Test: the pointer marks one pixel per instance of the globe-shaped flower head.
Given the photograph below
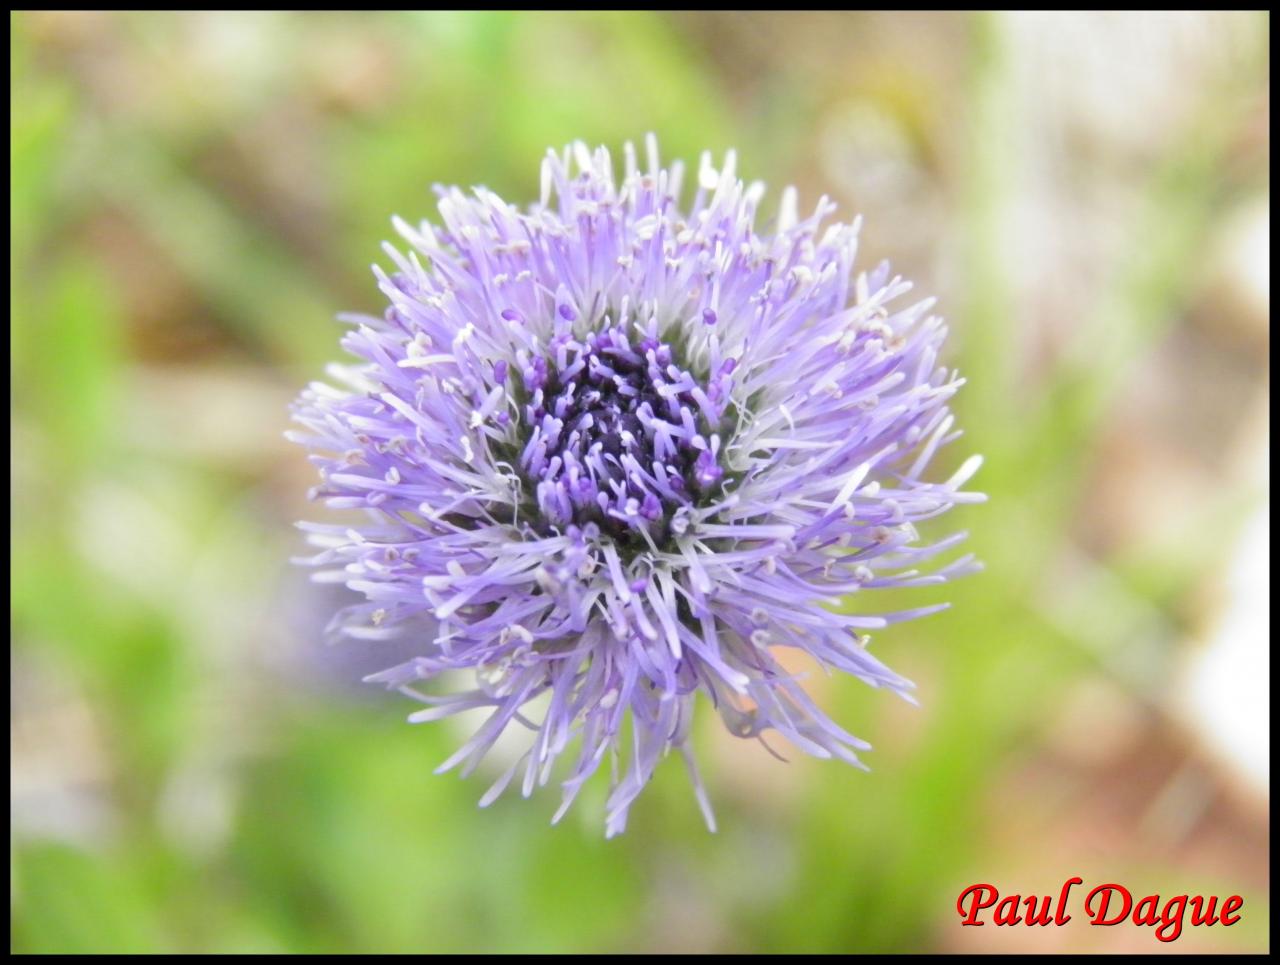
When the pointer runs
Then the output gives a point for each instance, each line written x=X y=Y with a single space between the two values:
x=614 y=453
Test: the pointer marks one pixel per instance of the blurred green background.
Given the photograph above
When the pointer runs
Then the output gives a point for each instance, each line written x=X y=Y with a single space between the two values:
x=194 y=196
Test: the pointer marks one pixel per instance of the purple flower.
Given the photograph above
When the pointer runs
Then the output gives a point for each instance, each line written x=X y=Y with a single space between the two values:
x=610 y=453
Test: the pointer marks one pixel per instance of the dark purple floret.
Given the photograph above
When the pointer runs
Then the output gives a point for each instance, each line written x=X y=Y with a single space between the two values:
x=621 y=436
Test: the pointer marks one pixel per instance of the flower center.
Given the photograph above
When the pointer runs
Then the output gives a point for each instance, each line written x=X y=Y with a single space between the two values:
x=621 y=434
